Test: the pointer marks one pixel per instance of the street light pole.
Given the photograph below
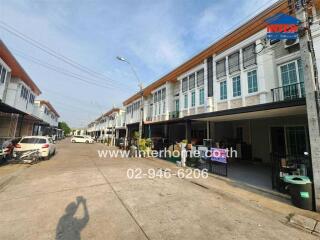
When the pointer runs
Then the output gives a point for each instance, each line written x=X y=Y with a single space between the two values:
x=132 y=69
x=140 y=92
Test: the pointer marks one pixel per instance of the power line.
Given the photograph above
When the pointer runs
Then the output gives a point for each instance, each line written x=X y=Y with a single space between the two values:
x=53 y=53
x=21 y=53
x=62 y=71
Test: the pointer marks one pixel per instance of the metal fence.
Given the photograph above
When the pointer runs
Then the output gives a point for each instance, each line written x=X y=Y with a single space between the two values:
x=214 y=167
x=288 y=92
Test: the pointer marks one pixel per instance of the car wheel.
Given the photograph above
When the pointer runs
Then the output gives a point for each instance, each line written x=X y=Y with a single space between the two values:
x=87 y=142
x=73 y=141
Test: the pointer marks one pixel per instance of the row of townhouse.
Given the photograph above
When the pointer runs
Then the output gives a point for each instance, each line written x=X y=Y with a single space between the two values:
x=21 y=113
x=244 y=92
x=109 y=127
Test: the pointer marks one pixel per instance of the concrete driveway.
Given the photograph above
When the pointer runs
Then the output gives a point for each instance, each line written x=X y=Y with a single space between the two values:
x=77 y=195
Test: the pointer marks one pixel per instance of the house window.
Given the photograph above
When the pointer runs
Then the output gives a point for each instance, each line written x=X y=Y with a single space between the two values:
x=177 y=105
x=223 y=90
x=24 y=92
x=154 y=98
x=234 y=62
x=193 y=99
x=185 y=101
x=184 y=84
x=31 y=98
x=292 y=80
x=236 y=83
x=288 y=74
x=192 y=81
x=200 y=78
x=163 y=94
x=201 y=96
x=301 y=77
x=221 y=68
x=164 y=107
x=3 y=73
x=249 y=55
x=252 y=81
x=159 y=96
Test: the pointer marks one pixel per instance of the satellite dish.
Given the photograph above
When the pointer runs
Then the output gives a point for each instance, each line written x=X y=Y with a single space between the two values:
x=259 y=48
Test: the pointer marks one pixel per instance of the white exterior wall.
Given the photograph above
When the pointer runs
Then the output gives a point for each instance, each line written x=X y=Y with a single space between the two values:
x=120 y=119
x=14 y=99
x=197 y=108
x=267 y=65
x=160 y=109
x=135 y=116
x=263 y=65
x=39 y=112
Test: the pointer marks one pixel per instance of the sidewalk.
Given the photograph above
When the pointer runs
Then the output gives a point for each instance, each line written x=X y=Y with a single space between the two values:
x=255 y=197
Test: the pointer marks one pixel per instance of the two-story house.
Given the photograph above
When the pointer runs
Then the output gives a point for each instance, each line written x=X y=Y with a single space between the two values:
x=243 y=91
x=45 y=111
x=17 y=93
x=109 y=127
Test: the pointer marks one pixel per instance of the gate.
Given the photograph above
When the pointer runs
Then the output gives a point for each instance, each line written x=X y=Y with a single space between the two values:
x=217 y=168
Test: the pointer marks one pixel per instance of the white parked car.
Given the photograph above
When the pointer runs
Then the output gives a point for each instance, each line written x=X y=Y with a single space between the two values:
x=82 y=139
x=45 y=145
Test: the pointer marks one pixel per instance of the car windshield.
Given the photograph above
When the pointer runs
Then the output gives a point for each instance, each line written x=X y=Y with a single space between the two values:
x=33 y=140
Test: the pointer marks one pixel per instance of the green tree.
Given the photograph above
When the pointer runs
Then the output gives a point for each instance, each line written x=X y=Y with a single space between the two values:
x=64 y=126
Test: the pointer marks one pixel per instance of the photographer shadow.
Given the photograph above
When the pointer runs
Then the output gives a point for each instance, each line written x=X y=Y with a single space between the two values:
x=69 y=227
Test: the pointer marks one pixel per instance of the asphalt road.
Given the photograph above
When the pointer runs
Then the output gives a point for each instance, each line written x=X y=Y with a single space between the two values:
x=77 y=195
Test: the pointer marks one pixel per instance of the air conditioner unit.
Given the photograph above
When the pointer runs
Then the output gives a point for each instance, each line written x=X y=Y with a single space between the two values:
x=290 y=42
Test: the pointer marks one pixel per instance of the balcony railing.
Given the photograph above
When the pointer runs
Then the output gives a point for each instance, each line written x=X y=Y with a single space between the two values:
x=173 y=115
x=288 y=92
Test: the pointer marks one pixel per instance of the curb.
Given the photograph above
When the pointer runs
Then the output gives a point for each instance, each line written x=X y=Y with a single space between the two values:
x=307 y=224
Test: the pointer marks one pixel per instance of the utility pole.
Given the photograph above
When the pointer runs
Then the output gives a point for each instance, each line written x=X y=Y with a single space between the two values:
x=311 y=91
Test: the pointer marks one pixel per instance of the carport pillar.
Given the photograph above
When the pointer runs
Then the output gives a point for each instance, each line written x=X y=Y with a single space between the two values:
x=208 y=130
x=149 y=131
x=188 y=130
x=166 y=132
x=21 y=118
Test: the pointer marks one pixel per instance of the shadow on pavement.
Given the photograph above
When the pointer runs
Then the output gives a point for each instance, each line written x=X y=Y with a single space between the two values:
x=69 y=227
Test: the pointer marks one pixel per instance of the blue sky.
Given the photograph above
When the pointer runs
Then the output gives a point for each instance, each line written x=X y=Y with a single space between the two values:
x=155 y=35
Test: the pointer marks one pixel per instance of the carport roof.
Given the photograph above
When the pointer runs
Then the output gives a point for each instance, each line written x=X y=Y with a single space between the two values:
x=274 y=109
